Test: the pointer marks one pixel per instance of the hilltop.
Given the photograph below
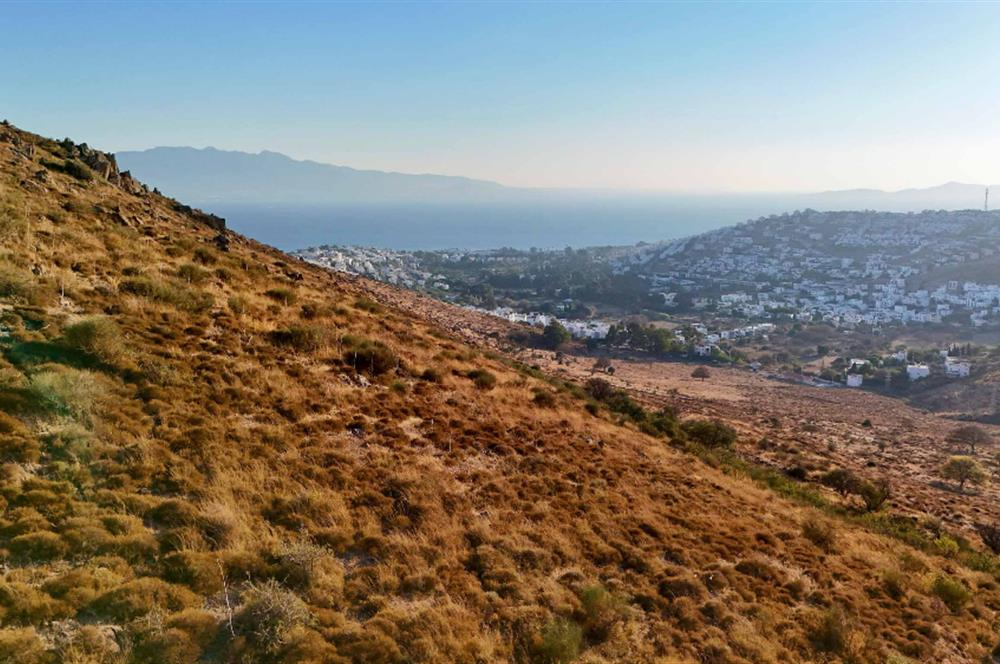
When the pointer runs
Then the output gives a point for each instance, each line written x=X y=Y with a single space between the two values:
x=216 y=452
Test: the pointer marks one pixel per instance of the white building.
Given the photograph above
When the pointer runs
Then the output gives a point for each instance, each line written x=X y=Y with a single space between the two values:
x=917 y=371
x=855 y=380
x=956 y=369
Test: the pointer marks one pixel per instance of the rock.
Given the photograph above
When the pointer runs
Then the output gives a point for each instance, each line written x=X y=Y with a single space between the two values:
x=221 y=242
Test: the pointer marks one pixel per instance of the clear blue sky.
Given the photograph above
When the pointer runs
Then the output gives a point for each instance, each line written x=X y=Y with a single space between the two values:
x=659 y=96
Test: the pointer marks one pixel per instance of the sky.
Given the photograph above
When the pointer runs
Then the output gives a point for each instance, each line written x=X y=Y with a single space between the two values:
x=692 y=97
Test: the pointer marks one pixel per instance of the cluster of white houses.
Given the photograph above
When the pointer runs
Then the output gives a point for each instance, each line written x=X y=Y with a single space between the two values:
x=847 y=268
x=400 y=268
x=578 y=329
x=952 y=367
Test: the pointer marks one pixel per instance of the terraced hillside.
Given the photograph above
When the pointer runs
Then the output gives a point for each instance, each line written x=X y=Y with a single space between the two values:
x=214 y=453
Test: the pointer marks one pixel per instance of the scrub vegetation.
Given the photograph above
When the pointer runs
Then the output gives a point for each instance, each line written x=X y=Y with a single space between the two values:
x=213 y=452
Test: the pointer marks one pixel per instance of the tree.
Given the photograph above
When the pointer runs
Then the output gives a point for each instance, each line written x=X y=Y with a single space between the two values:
x=969 y=436
x=963 y=469
x=842 y=481
x=555 y=335
x=701 y=373
x=874 y=494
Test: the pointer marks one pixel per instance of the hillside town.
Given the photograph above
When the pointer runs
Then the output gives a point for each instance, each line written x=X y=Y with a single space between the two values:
x=847 y=268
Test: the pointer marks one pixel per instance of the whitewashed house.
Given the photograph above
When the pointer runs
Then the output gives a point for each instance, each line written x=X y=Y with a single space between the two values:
x=917 y=371
x=855 y=380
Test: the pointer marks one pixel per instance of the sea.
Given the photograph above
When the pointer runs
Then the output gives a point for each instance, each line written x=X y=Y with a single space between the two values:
x=520 y=225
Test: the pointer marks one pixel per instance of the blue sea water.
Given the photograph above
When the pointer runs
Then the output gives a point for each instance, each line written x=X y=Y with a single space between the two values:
x=522 y=225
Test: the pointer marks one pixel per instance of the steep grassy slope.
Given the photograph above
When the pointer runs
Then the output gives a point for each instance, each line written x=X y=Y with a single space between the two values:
x=214 y=453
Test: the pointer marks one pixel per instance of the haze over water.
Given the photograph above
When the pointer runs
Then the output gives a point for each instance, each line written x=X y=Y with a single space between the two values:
x=491 y=225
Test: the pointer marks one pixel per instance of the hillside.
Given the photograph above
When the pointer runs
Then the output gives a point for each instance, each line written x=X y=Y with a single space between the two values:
x=211 y=175
x=214 y=452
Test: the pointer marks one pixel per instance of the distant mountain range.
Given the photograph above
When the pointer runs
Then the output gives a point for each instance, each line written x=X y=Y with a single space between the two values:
x=949 y=196
x=210 y=176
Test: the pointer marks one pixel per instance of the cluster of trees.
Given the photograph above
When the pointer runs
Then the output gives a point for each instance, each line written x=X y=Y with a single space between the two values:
x=873 y=494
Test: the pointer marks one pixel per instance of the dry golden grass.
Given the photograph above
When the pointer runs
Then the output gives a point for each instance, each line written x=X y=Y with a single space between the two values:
x=209 y=490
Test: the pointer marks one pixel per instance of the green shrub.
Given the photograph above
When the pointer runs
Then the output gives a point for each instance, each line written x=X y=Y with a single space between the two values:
x=204 y=255
x=302 y=338
x=482 y=379
x=710 y=433
x=369 y=305
x=544 y=398
x=193 y=274
x=17 y=285
x=239 y=304
x=431 y=375
x=559 y=642
x=65 y=393
x=894 y=582
x=285 y=296
x=97 y=336
x=951 y=592
x=371 y=357
x=601 y=610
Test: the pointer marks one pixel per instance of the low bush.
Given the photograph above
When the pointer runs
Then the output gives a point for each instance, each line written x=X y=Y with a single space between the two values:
x=193 y=274
x=137 y=598
x=17 y=285
x=830 y=631
x=369 y=305
x=544 y=398
x=990 y=534
x=710 y=433
x=874 y=494
x=431 y=375
x=559 y=642
x=16 y=442
x=820 y=532
x=601 y=610
x=371 y=357
x=38 y=547
x=96 y=336
x=950 y=591
x=269 y=613
x=302 y=338
x=894 y=583
x=22 y=646
x=482 y=379
x=285 y=296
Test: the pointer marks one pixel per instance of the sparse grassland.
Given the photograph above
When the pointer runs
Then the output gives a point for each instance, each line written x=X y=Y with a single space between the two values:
x=228 y=456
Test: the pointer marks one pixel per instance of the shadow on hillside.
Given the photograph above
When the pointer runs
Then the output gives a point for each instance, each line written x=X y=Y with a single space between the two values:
x=32 y=353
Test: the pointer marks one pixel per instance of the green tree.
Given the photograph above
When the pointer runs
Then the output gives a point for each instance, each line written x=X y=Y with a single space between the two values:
x=701 y=373
x=963 y=469
x=555 y=335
